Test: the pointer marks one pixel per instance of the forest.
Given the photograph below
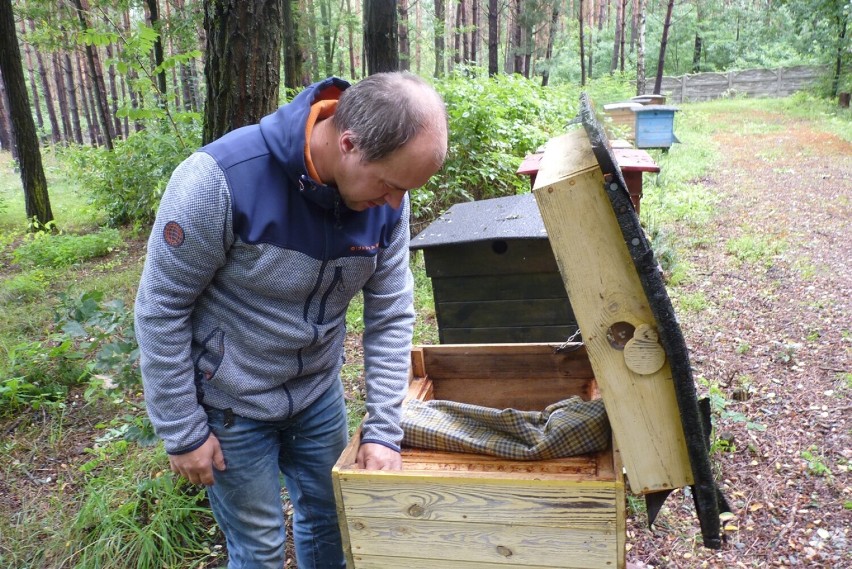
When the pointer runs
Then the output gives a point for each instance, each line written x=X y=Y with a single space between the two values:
x=102 y=100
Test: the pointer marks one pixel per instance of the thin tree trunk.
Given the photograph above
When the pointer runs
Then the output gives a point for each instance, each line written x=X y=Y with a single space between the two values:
x=582 y=46
x=292 y=51
x=440 y=28
x=55 y=129
x=493 y=38
x=457 y=35
x=838 y=62
x=62 y=98
x=86 y=98
x=66 y=77
x=31 y=75
x=616 y=45
x=623 y=30
x=640 y=49
x=475 y=36
x=7 y=141
x=36 y=198
x=113 y=92
x=350 y=32
x=154 y=21
x=418 y=18
x=404 y=42
x=661 y=62
x=517 y=34
x=548 y=55
x=312 y=37
x=96 y=77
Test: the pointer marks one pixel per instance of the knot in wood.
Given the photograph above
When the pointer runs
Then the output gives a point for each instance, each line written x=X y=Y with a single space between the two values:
x=504 y=551
x=416 y=510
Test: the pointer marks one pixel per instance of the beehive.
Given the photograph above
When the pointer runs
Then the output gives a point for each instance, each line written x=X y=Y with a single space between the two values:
x=494 y=276
x=455 y=510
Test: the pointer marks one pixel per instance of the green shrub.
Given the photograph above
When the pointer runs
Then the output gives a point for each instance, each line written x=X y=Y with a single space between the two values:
x=128 y=182
x=494 y=123
x=44 y=249
x=24 y=287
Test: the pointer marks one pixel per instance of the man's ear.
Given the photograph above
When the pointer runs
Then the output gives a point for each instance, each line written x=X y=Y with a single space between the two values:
x=346 y=142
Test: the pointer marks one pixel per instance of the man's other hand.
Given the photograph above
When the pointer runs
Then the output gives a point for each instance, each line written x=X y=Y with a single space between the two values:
x=372 y=456
x=197 y=466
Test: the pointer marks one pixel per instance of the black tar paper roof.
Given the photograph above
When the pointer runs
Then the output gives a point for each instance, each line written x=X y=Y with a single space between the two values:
x=511 y=217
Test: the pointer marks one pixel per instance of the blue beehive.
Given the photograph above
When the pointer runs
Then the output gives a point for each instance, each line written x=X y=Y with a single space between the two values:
x=655 y=126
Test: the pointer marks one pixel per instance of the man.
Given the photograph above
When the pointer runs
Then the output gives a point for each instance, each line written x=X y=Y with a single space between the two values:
x=262 y=239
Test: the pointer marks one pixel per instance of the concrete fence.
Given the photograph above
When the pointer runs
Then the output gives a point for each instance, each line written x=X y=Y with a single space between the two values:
x=779 y=82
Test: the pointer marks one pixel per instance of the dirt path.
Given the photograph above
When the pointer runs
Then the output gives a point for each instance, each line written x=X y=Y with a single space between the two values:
x=773 y=345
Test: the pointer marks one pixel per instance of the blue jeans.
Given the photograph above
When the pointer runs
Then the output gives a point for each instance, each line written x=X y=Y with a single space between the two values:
x=246 y=496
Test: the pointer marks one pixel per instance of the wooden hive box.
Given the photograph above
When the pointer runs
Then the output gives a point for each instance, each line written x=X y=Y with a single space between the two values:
x=655 y=126
x=464 y=511
x=494 y=276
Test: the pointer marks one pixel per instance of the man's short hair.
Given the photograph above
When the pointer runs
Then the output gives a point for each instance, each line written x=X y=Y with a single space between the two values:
x=386 y=110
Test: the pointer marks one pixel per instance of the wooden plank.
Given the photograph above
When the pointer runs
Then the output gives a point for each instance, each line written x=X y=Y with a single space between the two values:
x=374 y=562
x=452 y=463
x=517 y=393
x=526 y=286
x=604 y=288
x=570 y=505
x=501 y=335
x=490 y=257
x=500 y=545
x=506 y=361
x=491 y=313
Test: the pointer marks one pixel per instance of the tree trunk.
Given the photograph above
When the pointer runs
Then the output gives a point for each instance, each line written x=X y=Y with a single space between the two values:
x=243 y=62
x=327 y=51
x=623 y=30
x=517 y=34
x=457 y=43
x=418 y=18
x=838 y=62
x=548 y=55
x=310 y=17
x=661 y=62
x=113 y=93
x=36 y=198
x=96 y=76
x=62 y=97
x=88 y=106
x=381 y=42
x=582 y=46
x=7 y=141
x=439 y=37
x=474 y=34
x=404 y=42
x=292 y=49
x=71 y=94
x=350 y=31
x=55 y=129
x=493 y=38
x=616 y=45
x=31 y=75
x=640 y=49
x=154 y=21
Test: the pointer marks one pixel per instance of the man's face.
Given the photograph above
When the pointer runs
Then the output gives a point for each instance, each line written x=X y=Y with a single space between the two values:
x=364 y=185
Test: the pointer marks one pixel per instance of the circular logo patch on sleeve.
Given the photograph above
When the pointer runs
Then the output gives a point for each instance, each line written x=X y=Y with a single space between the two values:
x=173 y=234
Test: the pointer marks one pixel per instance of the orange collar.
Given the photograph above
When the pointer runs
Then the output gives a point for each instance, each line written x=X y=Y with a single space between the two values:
x=320 y=110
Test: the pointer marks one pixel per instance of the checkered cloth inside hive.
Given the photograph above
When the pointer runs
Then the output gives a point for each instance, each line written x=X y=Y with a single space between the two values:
x=568 y=428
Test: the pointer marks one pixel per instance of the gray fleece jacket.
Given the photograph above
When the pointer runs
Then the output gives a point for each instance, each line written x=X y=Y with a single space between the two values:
x=250 y=269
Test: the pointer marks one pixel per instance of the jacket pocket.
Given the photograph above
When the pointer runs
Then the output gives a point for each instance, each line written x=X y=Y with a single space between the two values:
x=212 y=353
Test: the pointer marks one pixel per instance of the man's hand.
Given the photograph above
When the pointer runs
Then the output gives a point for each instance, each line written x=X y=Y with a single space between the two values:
x=197 y=466
x=372 y=456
